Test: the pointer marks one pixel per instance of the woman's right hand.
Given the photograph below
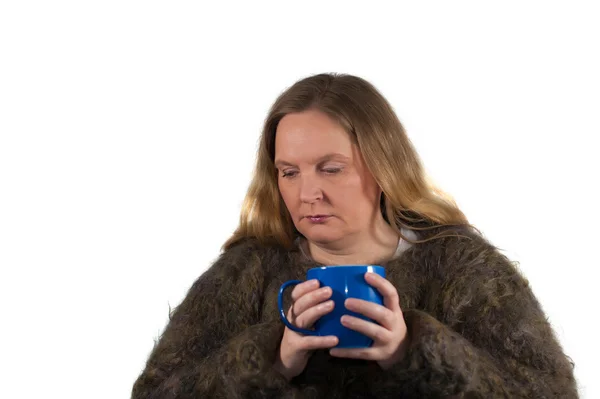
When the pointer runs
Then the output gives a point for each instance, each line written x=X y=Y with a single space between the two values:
x=309 y=304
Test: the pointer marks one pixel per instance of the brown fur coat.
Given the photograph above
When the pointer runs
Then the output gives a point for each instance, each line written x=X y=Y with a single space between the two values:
x=476 y=331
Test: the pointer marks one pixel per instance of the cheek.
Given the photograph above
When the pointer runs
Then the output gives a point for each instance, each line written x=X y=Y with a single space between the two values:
x=356 y=199
x=356 y=190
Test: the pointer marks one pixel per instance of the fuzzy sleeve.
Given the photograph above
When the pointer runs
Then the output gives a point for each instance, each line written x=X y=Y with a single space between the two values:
x=214 y=345
x=483 y=336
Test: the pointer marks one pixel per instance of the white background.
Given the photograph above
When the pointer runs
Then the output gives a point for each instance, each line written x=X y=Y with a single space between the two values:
x=127 y=140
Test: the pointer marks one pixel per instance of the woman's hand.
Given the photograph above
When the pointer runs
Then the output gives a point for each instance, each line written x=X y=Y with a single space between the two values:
x=390 y=338
x=310 y=304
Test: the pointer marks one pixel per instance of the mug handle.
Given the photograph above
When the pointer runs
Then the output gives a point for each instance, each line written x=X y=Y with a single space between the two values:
x=282 y=312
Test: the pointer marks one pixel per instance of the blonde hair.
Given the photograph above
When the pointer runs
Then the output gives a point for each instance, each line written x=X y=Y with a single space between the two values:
x=409 y=199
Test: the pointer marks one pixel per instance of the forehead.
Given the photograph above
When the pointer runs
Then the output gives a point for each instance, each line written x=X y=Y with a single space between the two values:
x=309 y=134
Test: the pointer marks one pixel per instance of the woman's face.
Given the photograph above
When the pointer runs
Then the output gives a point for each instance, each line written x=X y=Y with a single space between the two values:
x=322 y=177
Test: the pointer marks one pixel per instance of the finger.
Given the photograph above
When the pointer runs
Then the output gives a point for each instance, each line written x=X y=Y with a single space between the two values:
x=313 y=342
x=311 y=315
x=373 y=311
x=358 y=353
x=374 y=331
x=303 y=288
x=386 y=289
x=307 y=318
x=312 y=298
x=290 y=315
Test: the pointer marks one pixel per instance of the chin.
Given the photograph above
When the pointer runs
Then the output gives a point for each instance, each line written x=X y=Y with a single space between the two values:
x=321 y=234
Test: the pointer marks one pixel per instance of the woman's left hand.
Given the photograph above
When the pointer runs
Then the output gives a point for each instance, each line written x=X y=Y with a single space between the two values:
x=390 y=338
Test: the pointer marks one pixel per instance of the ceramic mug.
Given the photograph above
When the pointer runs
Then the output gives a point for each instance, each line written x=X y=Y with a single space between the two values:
x=346 y=281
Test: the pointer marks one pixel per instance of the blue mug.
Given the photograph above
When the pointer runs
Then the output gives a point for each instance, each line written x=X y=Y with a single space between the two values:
x=346 y=281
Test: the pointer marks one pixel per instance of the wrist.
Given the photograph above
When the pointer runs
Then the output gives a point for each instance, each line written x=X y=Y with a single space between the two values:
x=397 y=357
x=279 y=367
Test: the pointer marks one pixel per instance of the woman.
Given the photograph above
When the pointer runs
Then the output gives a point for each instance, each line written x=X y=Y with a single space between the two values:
x=338 y=182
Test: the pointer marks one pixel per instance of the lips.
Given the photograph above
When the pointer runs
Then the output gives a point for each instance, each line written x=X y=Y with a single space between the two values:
x=317 y=218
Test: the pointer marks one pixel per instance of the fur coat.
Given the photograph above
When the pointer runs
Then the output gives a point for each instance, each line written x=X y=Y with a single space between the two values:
x=476 y=331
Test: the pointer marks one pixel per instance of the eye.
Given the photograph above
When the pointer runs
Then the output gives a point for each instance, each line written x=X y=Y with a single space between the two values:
x=332 y=171
x=288 y=173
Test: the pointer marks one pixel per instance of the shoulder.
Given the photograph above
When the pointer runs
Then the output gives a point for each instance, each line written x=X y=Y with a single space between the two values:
x=252 y=246
x=465 y=251
x=472 y=273
x=254 y=253
x=241 y=265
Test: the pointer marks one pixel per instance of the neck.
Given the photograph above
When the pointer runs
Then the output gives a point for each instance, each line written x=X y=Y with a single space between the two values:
x=376 y=245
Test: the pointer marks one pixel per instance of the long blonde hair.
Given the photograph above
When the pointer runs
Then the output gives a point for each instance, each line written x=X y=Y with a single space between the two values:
x=409 y=199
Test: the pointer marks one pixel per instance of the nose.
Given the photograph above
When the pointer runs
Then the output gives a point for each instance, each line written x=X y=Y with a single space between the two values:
x=310 y=190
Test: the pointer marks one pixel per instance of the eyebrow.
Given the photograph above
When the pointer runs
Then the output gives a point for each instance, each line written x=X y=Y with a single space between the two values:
x=324 y=158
